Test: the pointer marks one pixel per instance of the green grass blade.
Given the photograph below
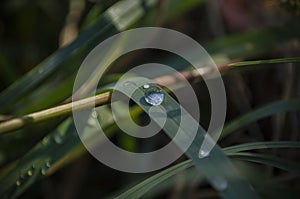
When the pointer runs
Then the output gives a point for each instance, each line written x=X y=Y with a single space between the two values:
x=116 y=18
x=256 y=43
x=216 y=165
x=148 y=184
x=268 y=61
x=39 y=160
x=261 y=145
x=265 y=111
x=270 y=160
x=53 y=152
x=142 y=188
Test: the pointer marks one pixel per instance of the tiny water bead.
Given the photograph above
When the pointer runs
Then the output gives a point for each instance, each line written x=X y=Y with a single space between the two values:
x=153 y=96
x=48 y=164
x=43 y=171
x=45 y=140
x=18 y=183
x=29 y=173
x=45 y=168
x=93 y=120
x=203 y=153
x=220 y=184
x=24 y=177
x=58 y=139
x=41 y=70
x=94 y=114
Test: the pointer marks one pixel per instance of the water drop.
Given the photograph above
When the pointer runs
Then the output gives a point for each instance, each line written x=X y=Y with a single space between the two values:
x=45 y=140
x=92 y=121
x=43 y=171
x=18 y=183
x=220 y=184
x=153 y=96
x=203 y=153
x=45 y=168
x=48 y=164
x=58 y=139
x=40 y=70
x=94 y=114
x=29 y=173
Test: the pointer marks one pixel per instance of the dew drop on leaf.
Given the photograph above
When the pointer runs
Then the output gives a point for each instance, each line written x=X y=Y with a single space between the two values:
x=18 y=183
x=220 y=184
x=29 y=173
x=58 y=139
x=153 y=96
x=45 y=168
x=203 y=153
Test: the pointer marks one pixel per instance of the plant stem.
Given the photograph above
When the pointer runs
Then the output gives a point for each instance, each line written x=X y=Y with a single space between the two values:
x=103 y=98
x=65 y=109
x=269 y=61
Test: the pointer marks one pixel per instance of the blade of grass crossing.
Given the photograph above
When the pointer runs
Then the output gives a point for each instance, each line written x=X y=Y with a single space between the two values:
x=265 y=111
x=269 y=61
x=142 y=188
x=216 y=166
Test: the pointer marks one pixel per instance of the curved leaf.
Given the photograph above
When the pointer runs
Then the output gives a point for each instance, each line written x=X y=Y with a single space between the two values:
x=270 y=160
x=265 y=111
x=261 y=145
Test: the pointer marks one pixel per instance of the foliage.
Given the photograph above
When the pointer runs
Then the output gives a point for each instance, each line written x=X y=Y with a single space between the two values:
x=257 y=51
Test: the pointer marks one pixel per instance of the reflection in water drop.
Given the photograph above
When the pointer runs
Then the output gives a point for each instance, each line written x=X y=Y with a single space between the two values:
x=203 y=153
x=146 y=86
x=154 y=98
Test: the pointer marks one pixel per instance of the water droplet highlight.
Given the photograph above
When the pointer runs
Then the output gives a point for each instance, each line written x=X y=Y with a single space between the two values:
x=146 y=86
x=203 y=153
x=220 y=184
